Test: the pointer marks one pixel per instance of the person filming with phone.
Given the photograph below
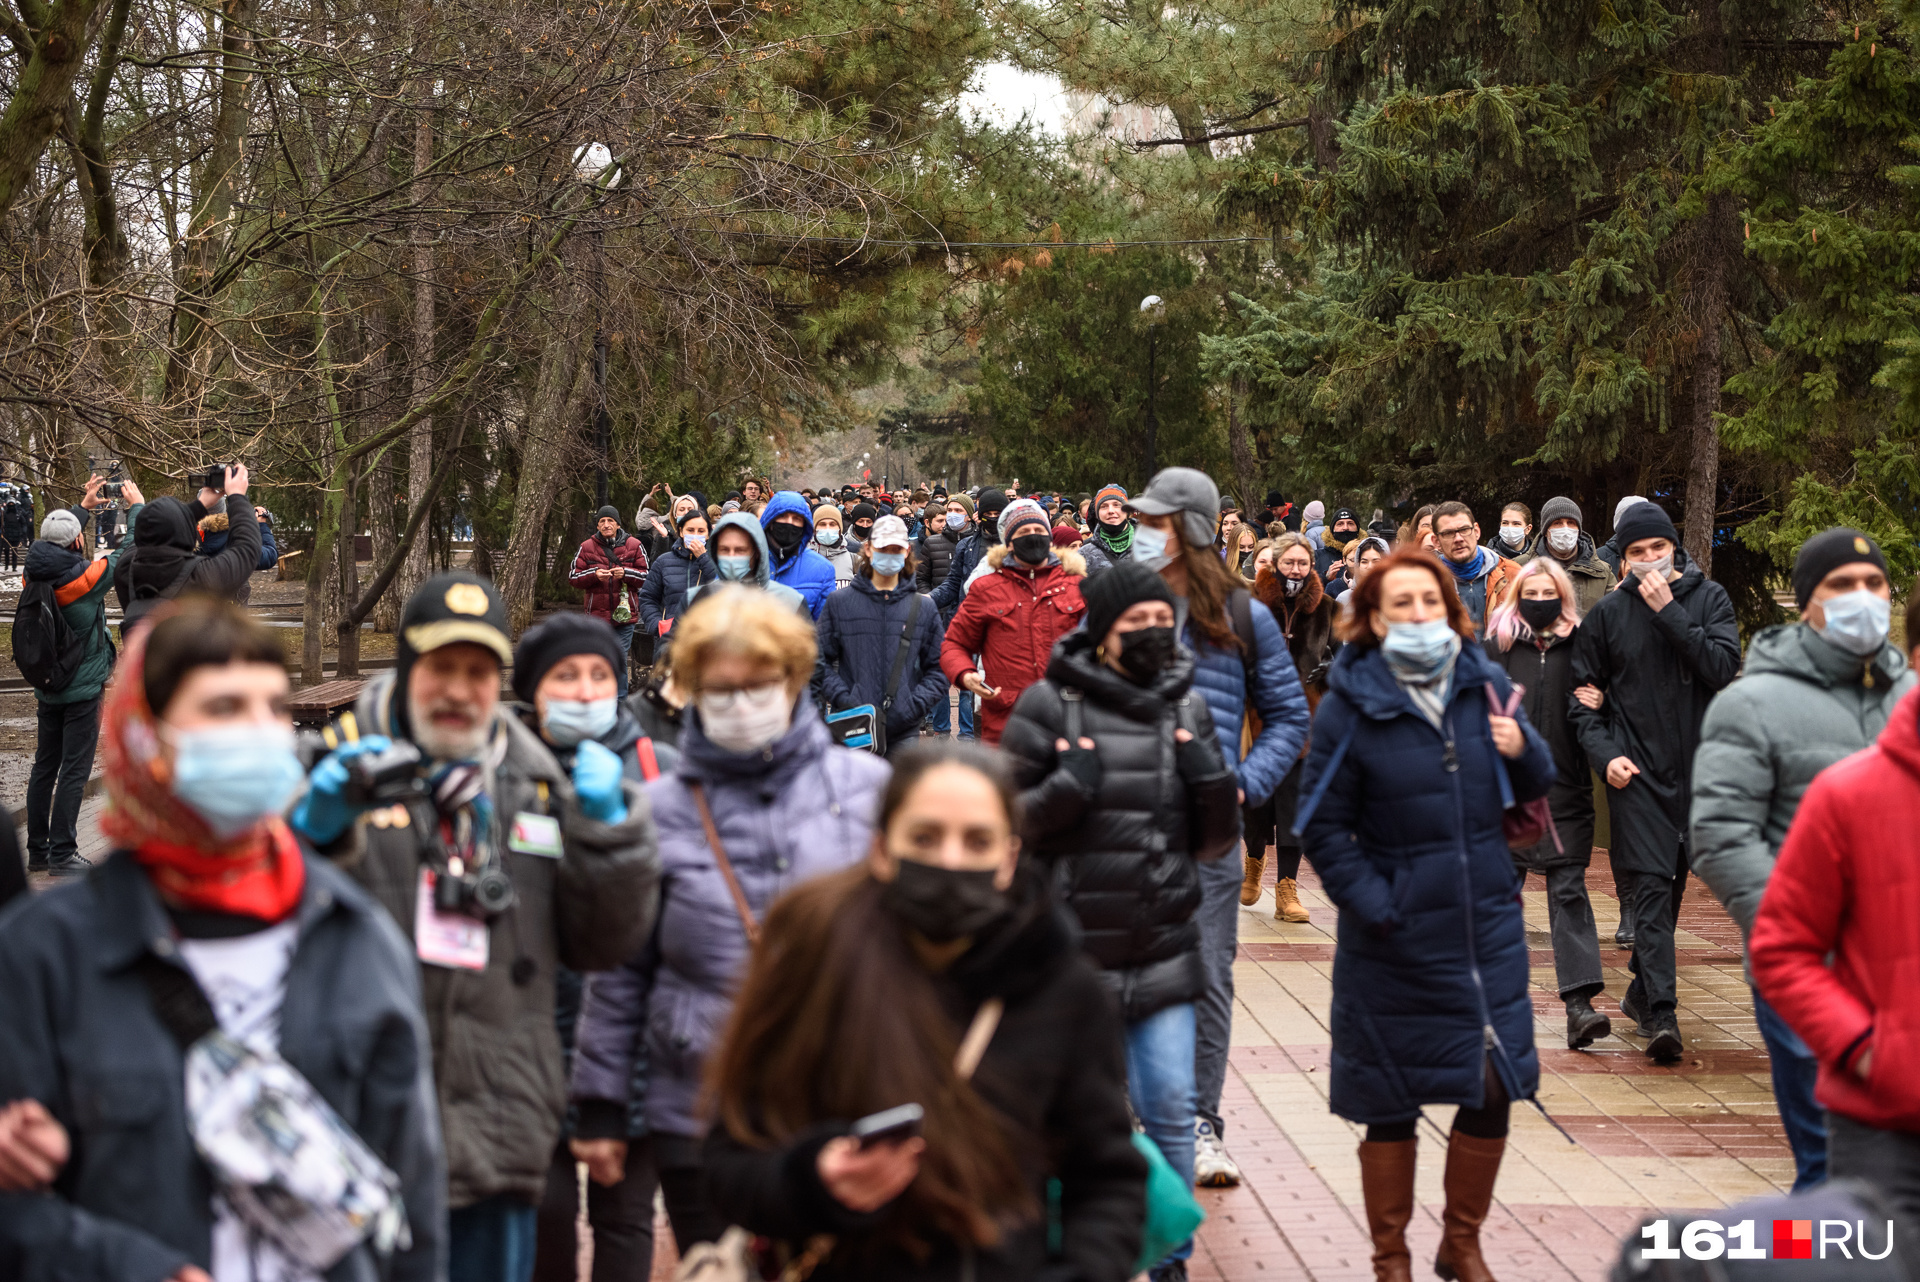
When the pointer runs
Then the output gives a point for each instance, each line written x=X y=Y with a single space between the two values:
x=164 y=560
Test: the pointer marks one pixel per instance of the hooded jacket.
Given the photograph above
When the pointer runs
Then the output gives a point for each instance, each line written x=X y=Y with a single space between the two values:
x=214 y=534
x=762 y=575
x=164 y=564
x=622 y=552
x=1011 y=618
x=1659 y=672
x=802 y=807
x=1306 y=621
x=1832 y=948
x=805 y=571
x=1407 y=839
x=1121 y=856
x=1054 y=1073
x=1592 y=577
x=1099 y=555
x=671 y=581
x=860 y=632
x=838 y=558
x=80 y=587
x=1801 y=705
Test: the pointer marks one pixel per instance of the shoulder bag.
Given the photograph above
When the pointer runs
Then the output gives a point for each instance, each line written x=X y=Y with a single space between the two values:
x=1525 y=823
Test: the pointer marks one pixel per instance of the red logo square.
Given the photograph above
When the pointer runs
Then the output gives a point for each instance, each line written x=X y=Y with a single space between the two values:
x=1793 y=1239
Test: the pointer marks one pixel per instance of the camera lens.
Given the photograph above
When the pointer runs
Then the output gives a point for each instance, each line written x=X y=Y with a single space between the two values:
x=449 y=893
x=492 y=892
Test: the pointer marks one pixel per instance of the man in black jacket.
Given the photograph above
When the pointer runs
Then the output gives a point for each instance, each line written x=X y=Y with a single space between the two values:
x=1658 y=647
x=164 y=563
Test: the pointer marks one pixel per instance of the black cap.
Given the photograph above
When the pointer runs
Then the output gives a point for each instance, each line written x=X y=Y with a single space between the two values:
x=992 y=501
x=608 y=511
x=1117 y=589
x=1342 y=514
x=1644 y=521
x=861 y=512
x=1826 y=552
x=454 y=607
x=560 y=637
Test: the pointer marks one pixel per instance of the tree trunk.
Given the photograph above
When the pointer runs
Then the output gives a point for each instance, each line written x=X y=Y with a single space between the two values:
x=1246 y=472
x=1709 y=309
x=552 y=432
x=40 y=96
x=420 y=438
x=348 y=577
x=381 y=518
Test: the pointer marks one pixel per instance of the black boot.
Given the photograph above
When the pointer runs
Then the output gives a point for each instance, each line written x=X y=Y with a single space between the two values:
x=1585 y=1025
x=1665 y=1047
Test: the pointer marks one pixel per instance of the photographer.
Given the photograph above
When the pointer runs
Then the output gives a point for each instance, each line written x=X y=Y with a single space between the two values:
x=501 y=867
x=165 y=560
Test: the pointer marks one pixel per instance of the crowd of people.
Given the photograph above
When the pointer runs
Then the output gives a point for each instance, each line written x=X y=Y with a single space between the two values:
x=851 y=872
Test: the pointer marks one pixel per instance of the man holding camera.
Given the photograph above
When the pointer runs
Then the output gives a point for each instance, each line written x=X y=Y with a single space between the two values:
x=501 y=867
x=164 y=561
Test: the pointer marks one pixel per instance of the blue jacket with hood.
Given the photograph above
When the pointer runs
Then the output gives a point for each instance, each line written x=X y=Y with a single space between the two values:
x=806 y=571
x=1220 y=677
x=761 y=576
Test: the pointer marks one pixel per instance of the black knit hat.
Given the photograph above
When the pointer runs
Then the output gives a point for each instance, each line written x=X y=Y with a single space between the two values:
x=560 y=637
x=1644 y=521
x=993 y=501
x=1826 y=552
x=861 y=512
x=608 y=511
x=1117 y=589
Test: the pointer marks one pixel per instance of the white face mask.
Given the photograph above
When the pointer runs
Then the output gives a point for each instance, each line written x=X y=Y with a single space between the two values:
x=1513 y=535
x=746 y=720
x=1857 y=622
x=573 y=721
x=1563 y=540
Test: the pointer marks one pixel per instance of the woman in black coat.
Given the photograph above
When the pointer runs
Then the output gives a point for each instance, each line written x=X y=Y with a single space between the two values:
x=684 y=566
x=937 y=973
x=1530 y=635
x=1125 y=787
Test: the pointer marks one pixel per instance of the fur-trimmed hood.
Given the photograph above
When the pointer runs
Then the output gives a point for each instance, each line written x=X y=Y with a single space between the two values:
x=1267 y=591
x=213 y=523
x=1066 y=558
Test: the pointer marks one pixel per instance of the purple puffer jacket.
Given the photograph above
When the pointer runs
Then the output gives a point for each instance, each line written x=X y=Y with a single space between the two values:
x=789 y=813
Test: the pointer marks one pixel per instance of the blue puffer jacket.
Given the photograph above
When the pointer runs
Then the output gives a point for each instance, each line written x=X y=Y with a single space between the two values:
x=1432 y=949
x=859 y=636
x=948 y=592
x=1221 y=678
x=663 y=597
x=806 y=571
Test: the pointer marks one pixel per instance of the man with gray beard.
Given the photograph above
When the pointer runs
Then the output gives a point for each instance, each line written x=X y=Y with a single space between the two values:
x=500 y=867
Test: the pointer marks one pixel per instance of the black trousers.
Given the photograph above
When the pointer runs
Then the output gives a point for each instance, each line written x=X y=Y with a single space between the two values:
x=1888 y=1160
x=621 y=1216
x=1271 y=824
x=1655 y=898
x=683 y=1186
x=62 y=760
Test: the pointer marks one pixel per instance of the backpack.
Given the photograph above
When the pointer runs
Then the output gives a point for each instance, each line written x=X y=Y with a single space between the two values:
x=46 y=649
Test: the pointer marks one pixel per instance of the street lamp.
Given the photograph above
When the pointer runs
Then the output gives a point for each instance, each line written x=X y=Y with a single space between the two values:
x=1154 y=309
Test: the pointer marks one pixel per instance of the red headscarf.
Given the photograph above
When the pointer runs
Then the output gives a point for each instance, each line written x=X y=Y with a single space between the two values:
x=258 y=872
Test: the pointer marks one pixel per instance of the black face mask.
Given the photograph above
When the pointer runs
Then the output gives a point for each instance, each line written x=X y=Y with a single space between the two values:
x=860 y=532
x=1540 y=614
x=1033 y=548
x=944 y=904
x=1115 y=527
x=1146 y=652
x=785 y=535
x=990 y=524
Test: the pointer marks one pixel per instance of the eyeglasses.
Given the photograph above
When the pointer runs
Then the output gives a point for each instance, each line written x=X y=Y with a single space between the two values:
x=761 y=696
x=1463 y=532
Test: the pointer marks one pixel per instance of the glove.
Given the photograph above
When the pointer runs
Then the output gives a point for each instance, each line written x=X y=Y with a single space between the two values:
x=596 y=782
x=323 y=814
x=1194 y=762
x=1084 y=765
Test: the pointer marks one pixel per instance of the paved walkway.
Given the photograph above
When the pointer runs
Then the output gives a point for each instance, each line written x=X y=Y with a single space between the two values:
x=1702 y=1133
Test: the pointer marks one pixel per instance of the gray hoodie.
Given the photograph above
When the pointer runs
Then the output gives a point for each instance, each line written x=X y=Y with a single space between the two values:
x=762 y=575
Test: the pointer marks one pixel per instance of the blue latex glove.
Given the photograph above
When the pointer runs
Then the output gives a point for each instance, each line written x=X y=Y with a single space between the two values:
x=323 y=814
x=596 y=781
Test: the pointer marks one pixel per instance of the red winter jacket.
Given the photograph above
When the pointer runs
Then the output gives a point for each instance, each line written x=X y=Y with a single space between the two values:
x=1847 y=884
x=626 y=553
x=1011 y=618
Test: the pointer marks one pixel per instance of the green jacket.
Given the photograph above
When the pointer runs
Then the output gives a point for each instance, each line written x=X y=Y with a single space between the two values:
x=80 y=585
x=1801 y=705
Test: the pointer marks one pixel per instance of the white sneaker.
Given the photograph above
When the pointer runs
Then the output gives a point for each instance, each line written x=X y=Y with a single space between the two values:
x=1212 y=1168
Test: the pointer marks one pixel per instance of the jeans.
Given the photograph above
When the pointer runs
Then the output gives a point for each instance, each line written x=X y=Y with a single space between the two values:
x=1219 y=919
x=1160 y=1084
x=1576 y=939
x=941 y=719
x=1795 y=1069
x=1888 y=1160
x=623 y=634
x=1656 y=911
x=62 y=755
x=621 y=1216
x=492 y=1241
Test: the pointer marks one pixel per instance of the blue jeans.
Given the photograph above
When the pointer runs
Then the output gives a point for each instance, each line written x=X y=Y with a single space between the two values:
x=623 y=634
x=492 y=1241
x=1795 y=1069
x=1160 y=1084
x=941 y=719
x=1219 y=919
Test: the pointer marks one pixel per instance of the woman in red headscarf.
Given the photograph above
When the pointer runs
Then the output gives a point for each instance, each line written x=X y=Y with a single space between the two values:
x=208 y=918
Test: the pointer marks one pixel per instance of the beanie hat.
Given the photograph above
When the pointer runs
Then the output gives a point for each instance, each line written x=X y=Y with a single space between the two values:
x=1560 y=508
x=61 y=526
x=561 y=637
x=1117 y=589
x=992 y=501
x=1021 y=512
x=828 y=509
x=1620 y=508
x=1819 y=556
x=964 y=501
x=1316 y=511
x=1276 y=500
x=861 y=512
x=1106 y=492
x=1643 y=521
x=689 y=515
x=608 y=511
x=1063 y=535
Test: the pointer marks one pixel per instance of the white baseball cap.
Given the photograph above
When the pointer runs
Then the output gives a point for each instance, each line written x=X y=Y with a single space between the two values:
x=888 y=532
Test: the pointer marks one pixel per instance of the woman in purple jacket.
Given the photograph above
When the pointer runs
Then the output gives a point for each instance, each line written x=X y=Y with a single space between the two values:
x=757 y=767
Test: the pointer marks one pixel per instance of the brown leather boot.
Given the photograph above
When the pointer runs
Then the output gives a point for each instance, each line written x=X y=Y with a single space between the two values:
x=1472 y=1166
x=1386 y=1181
x=1286 y=901
x=1250 y=888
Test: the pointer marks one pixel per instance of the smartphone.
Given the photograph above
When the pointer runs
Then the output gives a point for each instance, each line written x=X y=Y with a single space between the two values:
x=889 y=1127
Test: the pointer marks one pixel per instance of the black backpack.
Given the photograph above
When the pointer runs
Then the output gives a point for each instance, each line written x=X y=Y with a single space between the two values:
x=46 y=650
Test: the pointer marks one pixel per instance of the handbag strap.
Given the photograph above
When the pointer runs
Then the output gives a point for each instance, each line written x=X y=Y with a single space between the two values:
x=725 y=865
x=973 y=1047
x=900 y=654
x=1500 y=762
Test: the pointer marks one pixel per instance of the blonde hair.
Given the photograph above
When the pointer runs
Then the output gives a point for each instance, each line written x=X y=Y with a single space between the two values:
x=1504 y=623
x=747 y=622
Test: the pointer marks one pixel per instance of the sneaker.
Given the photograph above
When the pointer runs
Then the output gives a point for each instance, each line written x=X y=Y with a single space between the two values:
x=37 y=863
x=1666 y=1046
x=71 y=866
x=1212 y=1168
x=1630 y=1007
x=1168 y=1271
x=1585 y=1025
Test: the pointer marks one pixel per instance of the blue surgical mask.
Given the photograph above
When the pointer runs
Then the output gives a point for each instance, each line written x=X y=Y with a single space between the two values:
x=1857 y=622
x=735 y=568
x=572 y=721
x=1150 y=547
x=1419 y=652
x=829 y=537
x=235 y=776
x=956 y=520
x=889 y=562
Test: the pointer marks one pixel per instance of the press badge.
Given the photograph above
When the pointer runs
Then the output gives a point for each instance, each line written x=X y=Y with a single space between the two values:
x=453 y=940
x=535 y=835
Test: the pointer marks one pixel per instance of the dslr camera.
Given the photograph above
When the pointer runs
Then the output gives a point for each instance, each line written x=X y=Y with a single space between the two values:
x=482 y=893
x=389 y=777
x=212 y=478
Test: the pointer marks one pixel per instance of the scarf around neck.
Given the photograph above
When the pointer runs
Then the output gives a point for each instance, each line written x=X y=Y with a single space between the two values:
x=1471 y=570
x=1118 y=545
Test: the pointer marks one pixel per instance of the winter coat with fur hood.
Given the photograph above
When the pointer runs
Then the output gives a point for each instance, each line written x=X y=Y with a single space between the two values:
x=1011 y=618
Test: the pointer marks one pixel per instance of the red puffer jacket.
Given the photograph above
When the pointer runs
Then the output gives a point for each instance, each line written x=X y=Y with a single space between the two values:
x=625 y=554
x=1847 y=884
x=1010 y=618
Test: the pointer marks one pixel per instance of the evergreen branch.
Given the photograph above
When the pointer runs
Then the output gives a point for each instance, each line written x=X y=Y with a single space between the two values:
x=1218 y=134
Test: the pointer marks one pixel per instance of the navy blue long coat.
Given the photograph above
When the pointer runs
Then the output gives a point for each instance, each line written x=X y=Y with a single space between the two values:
x=1432 y=949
